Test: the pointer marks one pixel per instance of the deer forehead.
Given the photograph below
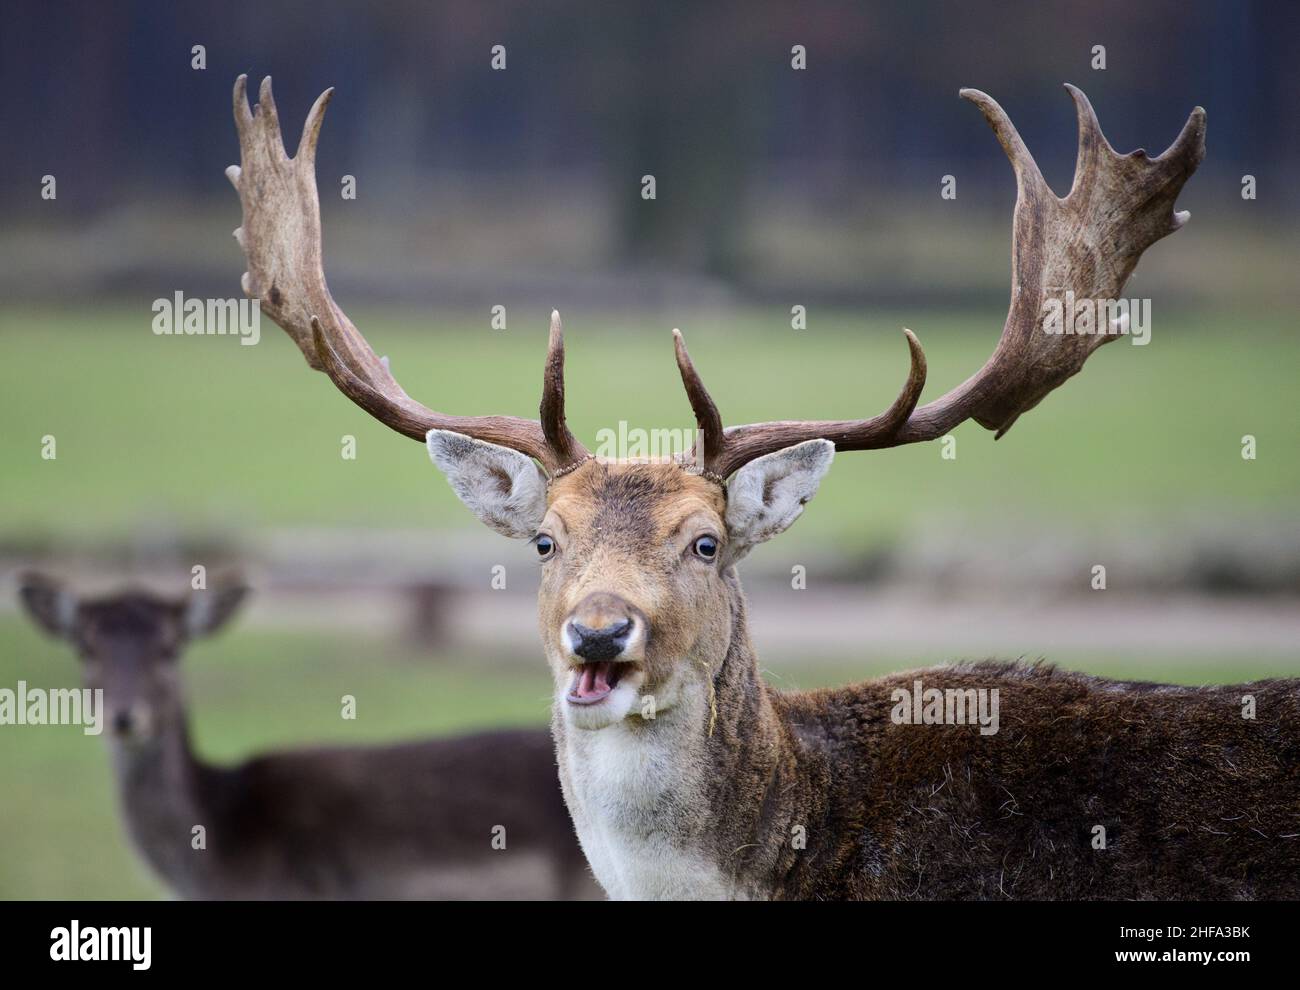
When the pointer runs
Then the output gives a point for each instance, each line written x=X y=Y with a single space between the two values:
x=128 y=629
x=633 y=503
x=129 y=615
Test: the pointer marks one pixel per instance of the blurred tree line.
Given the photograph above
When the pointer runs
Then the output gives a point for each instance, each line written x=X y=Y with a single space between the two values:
x=702 y=96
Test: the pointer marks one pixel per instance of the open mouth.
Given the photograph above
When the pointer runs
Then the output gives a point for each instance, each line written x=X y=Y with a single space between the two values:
x=595 y=681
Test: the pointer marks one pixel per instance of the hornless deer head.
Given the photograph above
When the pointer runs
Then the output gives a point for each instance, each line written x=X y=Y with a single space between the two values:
x=129 y=644
x=638 y=593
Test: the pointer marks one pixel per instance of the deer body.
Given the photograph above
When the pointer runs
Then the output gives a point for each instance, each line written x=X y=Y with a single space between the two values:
x=411 y=821
x=355 y=823
x=473 y=817
x=734 y=790
x=687 y=776
x=823 y=796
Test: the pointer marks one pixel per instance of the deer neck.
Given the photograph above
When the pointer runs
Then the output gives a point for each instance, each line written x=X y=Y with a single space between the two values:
x=695 y=802
x=160 y=784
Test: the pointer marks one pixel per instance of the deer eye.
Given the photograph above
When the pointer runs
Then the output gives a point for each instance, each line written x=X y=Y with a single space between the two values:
x=706 y=547
x=545 y=546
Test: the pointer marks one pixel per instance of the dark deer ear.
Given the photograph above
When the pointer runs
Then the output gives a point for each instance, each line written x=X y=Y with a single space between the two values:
x=208 y=610
x=51 y=606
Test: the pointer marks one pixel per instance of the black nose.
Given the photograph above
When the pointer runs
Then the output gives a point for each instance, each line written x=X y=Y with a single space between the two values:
x=123 y=723
x=600 y=644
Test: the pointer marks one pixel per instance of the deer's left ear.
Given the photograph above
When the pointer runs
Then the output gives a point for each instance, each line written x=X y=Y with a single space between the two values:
x=768 y=494
x=504 y=488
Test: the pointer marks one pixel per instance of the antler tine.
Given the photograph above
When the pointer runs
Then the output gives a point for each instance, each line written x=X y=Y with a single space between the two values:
x=1082 y=247
x=567 y=448
x=707 y=418
x=742 y=444
x=1188 y=148
x=243 y=114
x=1029 y=179
x=265 y=110
x=311 y=129
x=1092 y=142
x=281 y=239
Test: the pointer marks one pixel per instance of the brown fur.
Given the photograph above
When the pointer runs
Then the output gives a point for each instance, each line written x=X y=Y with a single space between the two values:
x=1196 y=801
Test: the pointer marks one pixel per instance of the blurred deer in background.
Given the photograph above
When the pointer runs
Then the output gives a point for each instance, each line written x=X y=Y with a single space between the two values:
x=688 y=776
x=413 y=820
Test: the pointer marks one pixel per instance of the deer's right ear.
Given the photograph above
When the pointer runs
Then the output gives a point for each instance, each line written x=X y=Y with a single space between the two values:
x=51 y=606
x=504 y=488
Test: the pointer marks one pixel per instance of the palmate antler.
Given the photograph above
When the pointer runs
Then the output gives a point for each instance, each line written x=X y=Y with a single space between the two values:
x=281 y=239
x=1087 y=243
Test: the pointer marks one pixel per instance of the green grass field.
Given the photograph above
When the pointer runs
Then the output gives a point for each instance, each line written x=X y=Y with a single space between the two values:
x=206 y=435
x=252 y=691
x=203 y=432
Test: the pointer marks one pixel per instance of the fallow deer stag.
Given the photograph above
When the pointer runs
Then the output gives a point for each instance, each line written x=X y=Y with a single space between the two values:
x=412 y=820
x=734 y=790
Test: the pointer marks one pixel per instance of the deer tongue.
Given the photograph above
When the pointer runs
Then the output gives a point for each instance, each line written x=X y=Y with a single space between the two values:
x=595 y=680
